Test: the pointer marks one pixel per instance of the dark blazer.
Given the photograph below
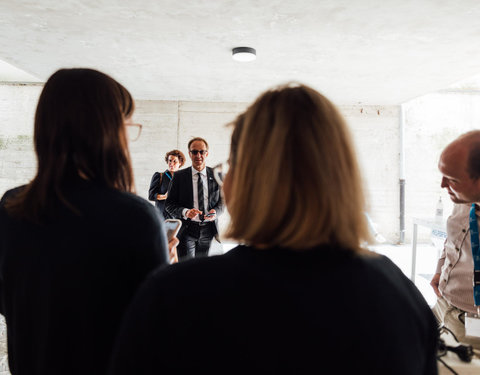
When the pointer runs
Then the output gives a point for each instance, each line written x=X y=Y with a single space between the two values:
x=159 y=187
x=180 y=195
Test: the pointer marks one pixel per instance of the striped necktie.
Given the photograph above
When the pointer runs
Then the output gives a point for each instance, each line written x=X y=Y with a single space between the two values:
x=201 y=204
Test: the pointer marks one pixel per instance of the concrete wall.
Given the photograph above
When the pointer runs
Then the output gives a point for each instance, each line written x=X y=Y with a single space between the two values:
x=17 y=158
x=170 y=124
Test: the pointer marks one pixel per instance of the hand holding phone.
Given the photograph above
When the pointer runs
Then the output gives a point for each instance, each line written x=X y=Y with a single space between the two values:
x=210 y=216
x=172 y=226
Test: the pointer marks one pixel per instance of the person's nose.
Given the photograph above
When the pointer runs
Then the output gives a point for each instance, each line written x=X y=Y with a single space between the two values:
x=444 y=183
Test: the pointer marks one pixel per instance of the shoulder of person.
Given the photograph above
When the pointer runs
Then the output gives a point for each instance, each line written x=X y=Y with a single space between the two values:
x=11 y=193
x=135 y=201
x=183 y=172
x=178 y=276
x=121 y=203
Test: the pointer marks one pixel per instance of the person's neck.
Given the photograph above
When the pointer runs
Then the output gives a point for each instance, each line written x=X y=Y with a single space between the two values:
x=199 y=170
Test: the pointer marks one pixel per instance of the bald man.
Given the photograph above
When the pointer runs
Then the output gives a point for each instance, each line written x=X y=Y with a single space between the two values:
x=453 y=281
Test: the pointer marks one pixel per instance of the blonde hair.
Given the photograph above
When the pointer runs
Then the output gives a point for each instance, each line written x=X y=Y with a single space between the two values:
x=294 y=177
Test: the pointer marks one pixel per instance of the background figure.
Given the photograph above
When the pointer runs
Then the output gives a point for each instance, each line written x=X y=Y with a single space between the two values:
x=300 y=296
x=193 y=194
x=161 y=181
x=75 y=242
x=453 y=281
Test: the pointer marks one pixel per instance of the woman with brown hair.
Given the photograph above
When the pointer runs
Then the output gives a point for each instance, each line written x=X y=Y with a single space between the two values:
x=300 y=295
x=160 y=182
x=75 y=242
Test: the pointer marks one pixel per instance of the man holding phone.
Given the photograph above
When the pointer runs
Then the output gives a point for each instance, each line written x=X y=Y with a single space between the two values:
x=194 y=198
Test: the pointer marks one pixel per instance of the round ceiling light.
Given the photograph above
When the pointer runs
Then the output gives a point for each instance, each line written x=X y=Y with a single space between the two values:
x=244 y=54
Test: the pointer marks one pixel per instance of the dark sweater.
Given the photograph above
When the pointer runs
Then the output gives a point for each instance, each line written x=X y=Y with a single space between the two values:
x=323 y=311
x=65 y=284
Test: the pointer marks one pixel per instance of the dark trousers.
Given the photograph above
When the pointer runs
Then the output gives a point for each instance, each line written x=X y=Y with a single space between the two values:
x=195 y=240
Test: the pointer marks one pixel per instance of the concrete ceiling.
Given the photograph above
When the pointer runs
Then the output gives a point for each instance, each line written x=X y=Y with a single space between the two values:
x=354 y=51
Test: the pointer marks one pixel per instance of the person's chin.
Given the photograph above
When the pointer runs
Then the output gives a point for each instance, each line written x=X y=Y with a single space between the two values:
x=457 y=200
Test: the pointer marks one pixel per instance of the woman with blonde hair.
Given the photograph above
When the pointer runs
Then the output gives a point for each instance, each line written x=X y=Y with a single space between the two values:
x=75 y=242
x=300 y=295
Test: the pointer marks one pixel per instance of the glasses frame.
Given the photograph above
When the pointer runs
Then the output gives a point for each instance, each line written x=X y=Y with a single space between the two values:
x=195 y=152
x=220 y=171
x=139 y=130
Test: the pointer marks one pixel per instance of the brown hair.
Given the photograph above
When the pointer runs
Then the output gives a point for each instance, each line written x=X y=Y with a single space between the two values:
x=79 y=131
x=178 y=154
x=197 y=139
x=294 y=178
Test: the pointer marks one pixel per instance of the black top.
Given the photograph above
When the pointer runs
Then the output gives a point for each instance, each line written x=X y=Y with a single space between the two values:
x=322 y=311
x=159 y=185
x=65 y=284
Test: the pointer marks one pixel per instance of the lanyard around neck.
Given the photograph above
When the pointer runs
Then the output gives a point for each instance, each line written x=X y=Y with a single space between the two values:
x=475 y=254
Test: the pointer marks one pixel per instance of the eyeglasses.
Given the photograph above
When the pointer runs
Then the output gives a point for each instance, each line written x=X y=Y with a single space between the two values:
x=220 y=171
x=133 y=131
x=201 y=152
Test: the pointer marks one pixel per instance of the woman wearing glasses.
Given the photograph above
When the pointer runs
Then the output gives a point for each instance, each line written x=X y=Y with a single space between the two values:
x=300 y=295
x=161 y=181
x=75 y=242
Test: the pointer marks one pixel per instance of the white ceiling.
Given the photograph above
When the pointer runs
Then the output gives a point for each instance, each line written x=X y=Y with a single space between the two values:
x=354 y=51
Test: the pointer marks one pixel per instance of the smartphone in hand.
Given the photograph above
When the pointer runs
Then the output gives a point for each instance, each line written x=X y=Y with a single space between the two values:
x=172 y=226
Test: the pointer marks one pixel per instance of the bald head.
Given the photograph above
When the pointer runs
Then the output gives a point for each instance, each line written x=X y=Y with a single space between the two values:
x=466 y=149
x=460 y=166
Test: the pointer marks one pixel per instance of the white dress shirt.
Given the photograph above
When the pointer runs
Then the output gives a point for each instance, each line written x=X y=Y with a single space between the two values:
x=195 y=176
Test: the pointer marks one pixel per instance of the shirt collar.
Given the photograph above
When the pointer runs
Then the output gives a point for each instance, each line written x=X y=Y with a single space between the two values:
x=203 y=171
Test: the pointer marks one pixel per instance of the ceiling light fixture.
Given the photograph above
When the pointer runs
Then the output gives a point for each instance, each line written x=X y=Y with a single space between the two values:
x=244 y=54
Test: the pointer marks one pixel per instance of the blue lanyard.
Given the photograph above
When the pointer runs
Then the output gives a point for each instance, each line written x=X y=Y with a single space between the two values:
x=170 y=177
x=475 y=255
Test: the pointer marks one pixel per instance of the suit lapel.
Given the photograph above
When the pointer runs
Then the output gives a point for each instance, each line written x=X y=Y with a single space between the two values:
x=189 y=186
x=211 y=187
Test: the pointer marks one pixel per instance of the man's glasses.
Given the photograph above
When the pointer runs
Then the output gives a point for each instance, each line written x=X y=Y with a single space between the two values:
x=133 y=131
x=201 y=152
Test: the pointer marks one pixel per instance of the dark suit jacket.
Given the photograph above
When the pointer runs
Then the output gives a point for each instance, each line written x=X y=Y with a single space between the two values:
x=180 y=195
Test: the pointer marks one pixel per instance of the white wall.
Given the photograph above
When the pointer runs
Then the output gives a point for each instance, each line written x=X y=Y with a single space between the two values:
x=17 y=159
x=376 y=134
x=170 y=124
x=433 y=121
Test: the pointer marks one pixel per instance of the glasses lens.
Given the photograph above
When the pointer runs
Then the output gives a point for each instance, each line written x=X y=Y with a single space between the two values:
x=195 y=152
x=220 y=171
x=133 y=131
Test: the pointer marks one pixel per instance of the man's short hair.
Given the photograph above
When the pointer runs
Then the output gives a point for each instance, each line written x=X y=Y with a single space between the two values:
x=195 y=140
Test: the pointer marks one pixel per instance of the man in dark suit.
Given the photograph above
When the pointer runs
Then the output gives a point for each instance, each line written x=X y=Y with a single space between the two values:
x=194 y=198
